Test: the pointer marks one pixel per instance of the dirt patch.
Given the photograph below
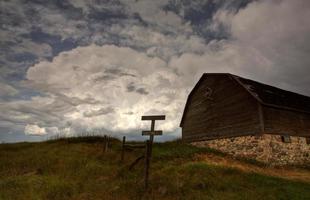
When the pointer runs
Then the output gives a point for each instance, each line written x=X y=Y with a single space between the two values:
x=283 y=172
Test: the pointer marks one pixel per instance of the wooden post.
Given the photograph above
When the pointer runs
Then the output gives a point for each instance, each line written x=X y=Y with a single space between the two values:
x=152 y=129
x=123 y=148
x=106 y=147
x=147 y=164
x=151 y=137
x=104 y=141
x=149 y=143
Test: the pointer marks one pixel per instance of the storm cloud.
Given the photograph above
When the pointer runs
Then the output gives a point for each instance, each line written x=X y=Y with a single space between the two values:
x=73 y=66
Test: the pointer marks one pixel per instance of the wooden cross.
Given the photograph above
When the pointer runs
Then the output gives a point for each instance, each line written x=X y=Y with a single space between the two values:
x=148 y=152
x=152 y=132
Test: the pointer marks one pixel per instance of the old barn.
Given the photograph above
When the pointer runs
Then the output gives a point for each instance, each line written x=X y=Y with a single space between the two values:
x=247 y=118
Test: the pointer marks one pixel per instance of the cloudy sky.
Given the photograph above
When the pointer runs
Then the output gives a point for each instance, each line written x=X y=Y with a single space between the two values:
x=74 y=66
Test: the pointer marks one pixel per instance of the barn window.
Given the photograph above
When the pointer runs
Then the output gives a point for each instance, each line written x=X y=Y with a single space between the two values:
x=308 y=140
x=208 y=93
x=285 y=138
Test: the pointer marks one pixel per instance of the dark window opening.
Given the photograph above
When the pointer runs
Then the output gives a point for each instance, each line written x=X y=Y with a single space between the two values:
x=308 y=140
x=285 y=138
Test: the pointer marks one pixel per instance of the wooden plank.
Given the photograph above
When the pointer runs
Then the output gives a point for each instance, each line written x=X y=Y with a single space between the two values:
x=134 y=163
x=223 y=132
x=152 y=132
x=286 y=122
x=153 y=117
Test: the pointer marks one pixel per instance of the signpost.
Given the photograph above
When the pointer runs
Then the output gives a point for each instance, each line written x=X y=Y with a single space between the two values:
x=149 y=143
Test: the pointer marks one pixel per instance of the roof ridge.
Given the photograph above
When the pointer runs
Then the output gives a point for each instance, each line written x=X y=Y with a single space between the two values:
x=276 y=89
x=254 y=94
x=236 y=78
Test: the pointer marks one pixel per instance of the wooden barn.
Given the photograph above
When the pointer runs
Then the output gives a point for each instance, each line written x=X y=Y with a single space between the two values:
x=225 y=105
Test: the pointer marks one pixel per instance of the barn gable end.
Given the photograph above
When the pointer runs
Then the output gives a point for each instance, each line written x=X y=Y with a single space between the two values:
x=219 y=107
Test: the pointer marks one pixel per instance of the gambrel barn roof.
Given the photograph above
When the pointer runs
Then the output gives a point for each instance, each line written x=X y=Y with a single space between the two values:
x=265 y=94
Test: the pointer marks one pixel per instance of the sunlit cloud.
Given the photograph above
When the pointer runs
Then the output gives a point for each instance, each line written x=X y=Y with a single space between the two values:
x=69 y=67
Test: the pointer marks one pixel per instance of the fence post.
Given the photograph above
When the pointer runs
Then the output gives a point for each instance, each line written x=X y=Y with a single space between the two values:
x=106 y=147
x=104 y=143
x=147 y=164
x=123 y=148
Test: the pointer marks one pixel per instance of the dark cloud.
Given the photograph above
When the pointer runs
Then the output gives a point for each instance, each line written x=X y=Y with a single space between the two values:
x=142 y=91
x=141 y=47
x=201 y=12
x=55 y=41
x=118 y=72
x=198 y=12
x=111 y=74
x=22 y=57
x=131 y=87
x=102 y=111
x=104 y=77
x=69 y=10
x=105 y=14
x=75 y=101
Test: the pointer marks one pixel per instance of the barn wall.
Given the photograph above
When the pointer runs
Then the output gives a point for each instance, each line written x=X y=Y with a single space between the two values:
x=266 y=148
x=228 y=112
x=279 y=121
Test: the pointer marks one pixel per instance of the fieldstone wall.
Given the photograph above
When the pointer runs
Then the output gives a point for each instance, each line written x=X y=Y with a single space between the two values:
x=266 y=148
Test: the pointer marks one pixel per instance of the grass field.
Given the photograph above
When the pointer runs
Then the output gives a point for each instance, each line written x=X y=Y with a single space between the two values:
x=78 y=168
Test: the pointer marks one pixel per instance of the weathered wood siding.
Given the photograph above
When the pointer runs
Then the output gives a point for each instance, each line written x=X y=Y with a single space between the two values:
x=280 y=121
x=231 y=111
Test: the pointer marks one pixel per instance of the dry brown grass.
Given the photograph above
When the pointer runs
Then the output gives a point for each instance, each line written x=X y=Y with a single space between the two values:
x=290 y=173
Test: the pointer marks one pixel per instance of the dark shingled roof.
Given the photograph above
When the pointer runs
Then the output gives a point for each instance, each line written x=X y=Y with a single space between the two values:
x=272 y=96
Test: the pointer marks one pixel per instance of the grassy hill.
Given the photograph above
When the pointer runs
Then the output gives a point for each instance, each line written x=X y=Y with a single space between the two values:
x=77 y=168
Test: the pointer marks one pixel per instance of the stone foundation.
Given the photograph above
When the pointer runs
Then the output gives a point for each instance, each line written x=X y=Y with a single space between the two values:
x=266 y=148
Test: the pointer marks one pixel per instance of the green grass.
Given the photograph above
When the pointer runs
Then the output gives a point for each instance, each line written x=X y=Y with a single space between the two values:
x=77 y=168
